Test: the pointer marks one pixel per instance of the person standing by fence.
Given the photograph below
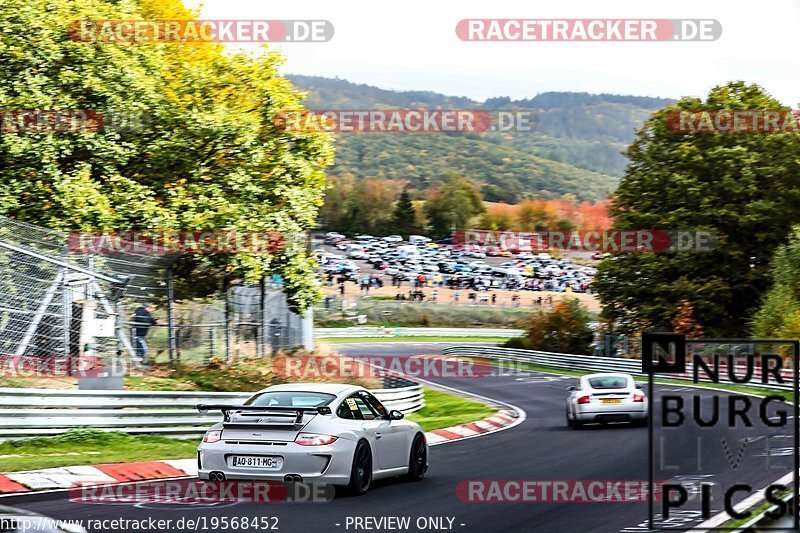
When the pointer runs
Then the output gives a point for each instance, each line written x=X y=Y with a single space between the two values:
x=142 y=321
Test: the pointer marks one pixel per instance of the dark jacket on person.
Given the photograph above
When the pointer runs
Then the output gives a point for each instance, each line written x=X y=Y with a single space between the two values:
x=142 y=320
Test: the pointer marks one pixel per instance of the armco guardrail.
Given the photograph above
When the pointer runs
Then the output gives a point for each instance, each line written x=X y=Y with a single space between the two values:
x=38 y=412
x=583 y=363
x=332 y=333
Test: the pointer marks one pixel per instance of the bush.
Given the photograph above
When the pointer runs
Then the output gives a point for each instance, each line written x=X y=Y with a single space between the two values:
x=565 y=329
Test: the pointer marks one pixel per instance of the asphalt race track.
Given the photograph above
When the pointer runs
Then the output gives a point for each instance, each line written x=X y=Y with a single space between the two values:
x=541 y=448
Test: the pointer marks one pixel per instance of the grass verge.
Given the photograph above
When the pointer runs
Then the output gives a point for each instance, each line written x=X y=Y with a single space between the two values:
x=443 y=409
x=89 y=447
x=758 y=391
x=353 y=340
x=92 y=446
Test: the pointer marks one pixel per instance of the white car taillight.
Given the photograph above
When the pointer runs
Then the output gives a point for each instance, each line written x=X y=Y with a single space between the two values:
x=638 y=398
x=584 y=399
x=314 y=439
x=213 y=436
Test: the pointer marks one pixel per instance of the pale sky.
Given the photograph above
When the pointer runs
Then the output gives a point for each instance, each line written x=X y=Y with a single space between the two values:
x=412 y=45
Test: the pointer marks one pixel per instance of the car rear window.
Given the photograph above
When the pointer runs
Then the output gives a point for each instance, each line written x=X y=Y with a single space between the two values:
x=290 y=399
x=609 y=382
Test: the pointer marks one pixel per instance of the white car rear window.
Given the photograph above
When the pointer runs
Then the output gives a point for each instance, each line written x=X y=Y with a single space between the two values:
x=290 y=399
x=609 y=382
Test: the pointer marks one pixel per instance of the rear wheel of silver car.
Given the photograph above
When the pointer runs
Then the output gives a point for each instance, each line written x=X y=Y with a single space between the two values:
x=361 y=473
x=570 y=423
x=418 y=459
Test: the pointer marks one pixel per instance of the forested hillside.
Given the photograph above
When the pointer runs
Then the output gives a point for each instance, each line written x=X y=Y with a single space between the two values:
x=575 y=148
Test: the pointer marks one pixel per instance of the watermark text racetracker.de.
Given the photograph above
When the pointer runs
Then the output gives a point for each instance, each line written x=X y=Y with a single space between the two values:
x=589 y=30
x=199 y=242
x=200 y=31
x=404 y=121
x=303 y=368
x=734 y=121
x=53 y=366
x=552 y=491
x=604 y=241
x=50 y=121
x=198 y=493
x=62 y=121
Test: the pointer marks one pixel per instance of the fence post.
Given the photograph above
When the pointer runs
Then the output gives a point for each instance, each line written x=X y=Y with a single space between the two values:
x=66 y=311
x=170 y=317
x=212 y=341
x=263 y=330
x=307 y=325
x=228 y=332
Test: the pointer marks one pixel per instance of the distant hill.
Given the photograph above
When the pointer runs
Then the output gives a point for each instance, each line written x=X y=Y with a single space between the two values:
x=575 y=148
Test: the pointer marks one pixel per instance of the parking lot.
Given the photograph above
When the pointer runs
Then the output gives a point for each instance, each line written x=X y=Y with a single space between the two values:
x=421 y=270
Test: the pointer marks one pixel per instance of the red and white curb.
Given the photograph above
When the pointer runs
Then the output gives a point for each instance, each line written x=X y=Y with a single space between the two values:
x=502 y=420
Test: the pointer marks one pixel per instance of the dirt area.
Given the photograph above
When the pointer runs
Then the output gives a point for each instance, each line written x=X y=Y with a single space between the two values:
x=446 y=296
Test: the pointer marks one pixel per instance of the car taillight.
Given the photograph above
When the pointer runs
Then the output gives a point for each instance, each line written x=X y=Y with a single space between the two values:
x=584 y=399
x=638 y=398
x=213 y=436
x=314 y=439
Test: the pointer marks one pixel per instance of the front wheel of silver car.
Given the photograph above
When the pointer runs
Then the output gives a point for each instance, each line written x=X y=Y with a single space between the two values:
x=361 y=472
x=418 y=459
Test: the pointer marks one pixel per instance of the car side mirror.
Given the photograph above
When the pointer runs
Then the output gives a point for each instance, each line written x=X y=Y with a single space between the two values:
x=571 y=389
x=396 y=415
x=640 y=386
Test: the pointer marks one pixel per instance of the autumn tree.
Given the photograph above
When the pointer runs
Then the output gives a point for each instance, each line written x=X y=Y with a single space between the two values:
x=564 y=329
x=452 y=206
x=684 y=321
x=199 y=150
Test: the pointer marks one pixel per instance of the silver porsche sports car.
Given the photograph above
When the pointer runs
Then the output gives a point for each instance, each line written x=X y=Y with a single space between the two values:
x=312 y=433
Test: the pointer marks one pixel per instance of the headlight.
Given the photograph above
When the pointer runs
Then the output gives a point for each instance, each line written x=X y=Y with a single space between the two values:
x=314 y=439
x=213 y=436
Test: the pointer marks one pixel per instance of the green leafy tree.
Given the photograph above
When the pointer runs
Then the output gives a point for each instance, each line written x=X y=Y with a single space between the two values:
x=405 y=215
x=565 y=329
x=745 y=188
x=199 y=149
x=779 y=315
x=369 y=206
x=451 y=207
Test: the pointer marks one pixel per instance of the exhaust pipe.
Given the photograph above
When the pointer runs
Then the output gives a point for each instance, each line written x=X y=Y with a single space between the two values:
x=292 y=478
x=216 y=476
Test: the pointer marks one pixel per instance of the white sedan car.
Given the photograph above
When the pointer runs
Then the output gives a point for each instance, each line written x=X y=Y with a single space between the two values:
x=604 y=398
x=313 y=433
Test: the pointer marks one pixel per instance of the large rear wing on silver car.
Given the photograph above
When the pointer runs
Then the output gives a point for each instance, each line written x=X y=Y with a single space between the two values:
x=265 y=411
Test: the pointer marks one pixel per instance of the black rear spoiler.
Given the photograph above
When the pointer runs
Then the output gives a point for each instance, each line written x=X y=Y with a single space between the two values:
x=227 y=409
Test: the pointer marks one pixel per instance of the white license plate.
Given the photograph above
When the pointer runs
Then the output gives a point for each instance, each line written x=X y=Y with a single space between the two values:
x=256 y=461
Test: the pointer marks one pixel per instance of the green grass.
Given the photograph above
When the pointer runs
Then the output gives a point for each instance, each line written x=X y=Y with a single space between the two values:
x=419 y=314
x=444 y=409
x=88 y=447
x=92 y=446
x=433 y=338
x=755 y=511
